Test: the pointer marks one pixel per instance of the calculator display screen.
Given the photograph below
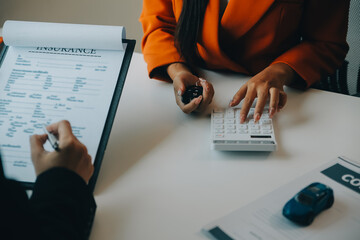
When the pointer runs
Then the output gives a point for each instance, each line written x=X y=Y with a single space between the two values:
x=261 y=136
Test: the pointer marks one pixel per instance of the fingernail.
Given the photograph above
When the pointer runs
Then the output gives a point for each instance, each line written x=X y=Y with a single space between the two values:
x=231 y=102
x=242 y=118
x=272 y=112
x=198 y=100
x=257 y=117
x=201 y=79
x=179 y=92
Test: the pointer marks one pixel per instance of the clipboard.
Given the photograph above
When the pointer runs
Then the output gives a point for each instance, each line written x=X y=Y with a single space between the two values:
x=110 y=115
x=112 y=111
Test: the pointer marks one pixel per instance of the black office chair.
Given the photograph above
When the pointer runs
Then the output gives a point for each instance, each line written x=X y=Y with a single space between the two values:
x=346 y=79
x=339 y=82
x=358 y=85
x=336 y=82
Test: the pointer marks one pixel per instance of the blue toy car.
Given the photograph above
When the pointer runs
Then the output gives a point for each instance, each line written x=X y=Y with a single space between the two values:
x=309 y=202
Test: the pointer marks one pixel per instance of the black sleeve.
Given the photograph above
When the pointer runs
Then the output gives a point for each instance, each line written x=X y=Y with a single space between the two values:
x=14 y=215
x=62 y=205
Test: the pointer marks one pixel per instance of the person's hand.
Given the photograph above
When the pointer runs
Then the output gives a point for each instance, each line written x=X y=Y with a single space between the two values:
x=199 y=104
x=72 y=154
x=183 y=78
x=267 y=83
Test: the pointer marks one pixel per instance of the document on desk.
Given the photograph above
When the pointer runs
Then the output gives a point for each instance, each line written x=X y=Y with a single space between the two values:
x=71 y=75
x=263 y=218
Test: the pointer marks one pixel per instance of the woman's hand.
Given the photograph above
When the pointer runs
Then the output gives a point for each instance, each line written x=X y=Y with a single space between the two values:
x=267 y=83
x=183 y=78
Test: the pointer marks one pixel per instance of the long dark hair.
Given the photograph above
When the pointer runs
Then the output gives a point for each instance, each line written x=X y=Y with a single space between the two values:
x=188 y=28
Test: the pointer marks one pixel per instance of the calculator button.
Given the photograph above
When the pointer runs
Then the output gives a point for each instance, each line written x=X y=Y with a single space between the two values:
x=243 y=131
x=219 y=131
x=230 y=126
x=267 y=132
x=266 y=127
x=230 y=131
x=218 y=115
x=242 y=126
x=265 y=121
x=255 y=131
x=230 y=113
x=218 y=121
x=230 y=121
x=254 y=127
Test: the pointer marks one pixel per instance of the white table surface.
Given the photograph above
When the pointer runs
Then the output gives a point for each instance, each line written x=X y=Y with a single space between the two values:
x=160 y=180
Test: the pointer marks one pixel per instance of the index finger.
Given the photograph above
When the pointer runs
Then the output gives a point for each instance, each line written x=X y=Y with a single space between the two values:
x=247 y=102
x=259 y=108
x=62 y=129
x=208 y=93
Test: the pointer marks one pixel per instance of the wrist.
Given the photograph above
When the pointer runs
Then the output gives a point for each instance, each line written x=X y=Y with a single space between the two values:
x=177 y=68
x=284 y=72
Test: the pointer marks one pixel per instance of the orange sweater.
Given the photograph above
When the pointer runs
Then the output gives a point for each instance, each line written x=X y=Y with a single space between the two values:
x=308 y=35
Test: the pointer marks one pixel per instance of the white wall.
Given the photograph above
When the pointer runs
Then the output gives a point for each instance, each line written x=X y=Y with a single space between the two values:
x=103 y=12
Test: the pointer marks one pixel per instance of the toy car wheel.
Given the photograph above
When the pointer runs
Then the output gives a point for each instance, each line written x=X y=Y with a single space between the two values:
x=310 y=219
x=330 y=203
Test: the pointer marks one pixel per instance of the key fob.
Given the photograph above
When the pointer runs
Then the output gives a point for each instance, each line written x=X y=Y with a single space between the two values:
x=190 y=93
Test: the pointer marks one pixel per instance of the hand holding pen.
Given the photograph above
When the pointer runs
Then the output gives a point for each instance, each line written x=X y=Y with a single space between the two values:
x=54 y=142
x=70 y=152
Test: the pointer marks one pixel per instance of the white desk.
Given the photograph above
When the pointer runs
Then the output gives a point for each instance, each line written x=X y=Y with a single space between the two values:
x=160 y=180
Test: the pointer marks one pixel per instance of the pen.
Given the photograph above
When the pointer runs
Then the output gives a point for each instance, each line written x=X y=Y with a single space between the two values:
x=52 y=139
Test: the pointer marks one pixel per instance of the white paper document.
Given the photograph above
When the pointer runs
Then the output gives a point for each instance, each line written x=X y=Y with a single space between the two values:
x=63 y=35
x=44 y=84
x=263 y=218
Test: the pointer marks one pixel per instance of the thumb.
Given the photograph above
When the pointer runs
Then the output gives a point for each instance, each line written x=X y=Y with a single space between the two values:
x=179 y=88
x=37 y=145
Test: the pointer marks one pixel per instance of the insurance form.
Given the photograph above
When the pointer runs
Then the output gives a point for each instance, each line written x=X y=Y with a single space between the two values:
x=263 y=218
x=60 y=79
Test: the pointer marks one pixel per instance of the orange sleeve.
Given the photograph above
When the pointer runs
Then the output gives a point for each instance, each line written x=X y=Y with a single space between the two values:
x=323 y=47
x=159 y=23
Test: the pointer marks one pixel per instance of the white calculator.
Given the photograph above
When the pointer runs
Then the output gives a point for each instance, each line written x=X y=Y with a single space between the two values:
x=228 y=134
